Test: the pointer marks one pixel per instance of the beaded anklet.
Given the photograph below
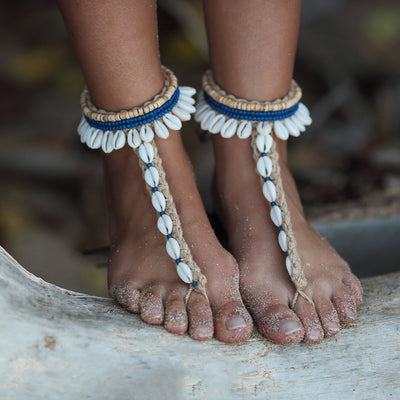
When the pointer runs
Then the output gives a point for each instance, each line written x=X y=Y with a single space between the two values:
x=219 y=112
x=137 y=128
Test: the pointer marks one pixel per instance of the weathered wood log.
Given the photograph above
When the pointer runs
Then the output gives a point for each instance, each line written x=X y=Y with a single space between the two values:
x=57 y=344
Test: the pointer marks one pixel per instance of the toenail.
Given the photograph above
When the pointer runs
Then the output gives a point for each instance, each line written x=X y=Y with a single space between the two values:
x=332 y=326
x=315 y=334
x=235 y=323
x=289 y=326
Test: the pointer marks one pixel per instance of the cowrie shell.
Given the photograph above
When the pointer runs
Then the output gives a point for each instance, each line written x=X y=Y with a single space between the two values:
x=292 y=127
x=229 y=128
x=264 y=166
x=244 y=130
x=264 y=128
x=172 y=122
x=185 y=106
x=269 y=191
x=173 y=249
x=133 y=138
x=288 y=265
x=276 y=215
x=181 y=114
x=119 y=140
x=280 y=130
x=184 y=272
x=146 y=152
x=187 y=90
x=107 y=142
x=146 y=133
x=164 y=224
x=263 y=143
x=161 y=130
x=282 y=239
x=151 y=176
x=206 y=119
x=96 y=139
x=158 y=201
x=216 y=123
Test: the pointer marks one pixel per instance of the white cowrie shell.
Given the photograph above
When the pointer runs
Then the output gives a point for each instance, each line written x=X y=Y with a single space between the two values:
x=86 y=131
x=151 y=176
x=181 y=114
x=244 y=130
x=82 y=123
x=206 y=120
x=292 y=127
x=164 y=224
x=146 y=152
x=158 y=201
x=187 y=90
x=304 y=119
x=281 y=130
x=172 y=122
x=119 y=140
x=146 y=133
x=107 y=142
x=173 y=249
x=201 y=110
x=276 y=215
x=282 y=239
x=184 y=272
x=187 y=99
x=217 y=123
x=263 y=143
x=161 y=130
x=288 y=265
x=269 y=191
x=96 y=139
x=298 y=123
x=185 y=106
x=303 y=110
x=264 y=128
x=229 y=128
x=264 y=166
x=133 y=138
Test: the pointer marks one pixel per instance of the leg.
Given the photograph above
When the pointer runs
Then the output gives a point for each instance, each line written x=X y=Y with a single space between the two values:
x=252 y=50
x=116 y=42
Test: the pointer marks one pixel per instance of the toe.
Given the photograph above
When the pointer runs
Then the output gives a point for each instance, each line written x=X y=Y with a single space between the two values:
x=152 y=310
x=127 y=296
x=327 y=315
x=201 y=325
x=344 y=304
x=176 y=320
x=313 y=332
x=355 y=287
x=232 y=322
x=280 y=324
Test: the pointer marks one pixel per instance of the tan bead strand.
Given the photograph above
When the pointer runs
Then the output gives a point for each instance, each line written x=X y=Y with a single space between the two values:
x=219 y=95
x=92 y=112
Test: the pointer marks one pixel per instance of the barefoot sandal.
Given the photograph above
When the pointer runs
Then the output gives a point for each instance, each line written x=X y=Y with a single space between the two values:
x=223 y=113
x=137 y=128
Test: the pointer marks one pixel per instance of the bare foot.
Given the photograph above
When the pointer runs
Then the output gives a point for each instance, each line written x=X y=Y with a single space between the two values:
x=264 y=283
x=143 y=278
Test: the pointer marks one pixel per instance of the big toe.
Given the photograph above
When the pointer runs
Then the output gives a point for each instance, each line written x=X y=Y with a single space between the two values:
x=280 y=324
x=232 y=322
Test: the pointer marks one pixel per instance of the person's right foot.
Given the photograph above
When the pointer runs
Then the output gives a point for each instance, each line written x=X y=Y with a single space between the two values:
x=143 y=278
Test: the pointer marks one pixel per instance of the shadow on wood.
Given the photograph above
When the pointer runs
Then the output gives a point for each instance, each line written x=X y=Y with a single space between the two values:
x=57 y=344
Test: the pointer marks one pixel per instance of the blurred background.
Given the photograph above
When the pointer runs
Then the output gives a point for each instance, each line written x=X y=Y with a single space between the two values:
x=52 y=208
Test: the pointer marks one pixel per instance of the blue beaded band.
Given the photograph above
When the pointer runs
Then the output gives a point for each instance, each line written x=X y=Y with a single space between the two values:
x=136 y=121
x=250 y=115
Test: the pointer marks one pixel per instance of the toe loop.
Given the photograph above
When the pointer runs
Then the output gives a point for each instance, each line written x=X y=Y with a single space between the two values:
x=298 y=293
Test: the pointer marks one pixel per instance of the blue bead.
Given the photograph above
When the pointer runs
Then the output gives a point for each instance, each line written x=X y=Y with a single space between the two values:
x=263 y=154
x=267 y=178
x=286 y=253
x=194 y=283
x=154 y=189
x=162 y=213
x=169 y=236
x=148 y=165
x=279 y=228
x=178 y=260
x=273 y=204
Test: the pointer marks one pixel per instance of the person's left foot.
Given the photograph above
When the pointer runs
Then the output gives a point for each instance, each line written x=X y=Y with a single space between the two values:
x=264 y=282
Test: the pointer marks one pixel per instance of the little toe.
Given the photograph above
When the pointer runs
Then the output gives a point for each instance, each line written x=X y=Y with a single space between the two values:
x=176 y=320
x=201 y=325
x=352 y=282
x=327 y=315
x=232 y=322
x=151 y=305
x=313 y=332
x=280 y=324
x=345 y=305
x=127 y=296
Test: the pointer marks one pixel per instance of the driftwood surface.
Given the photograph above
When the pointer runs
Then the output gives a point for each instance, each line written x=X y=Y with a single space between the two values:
x=58 y=344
